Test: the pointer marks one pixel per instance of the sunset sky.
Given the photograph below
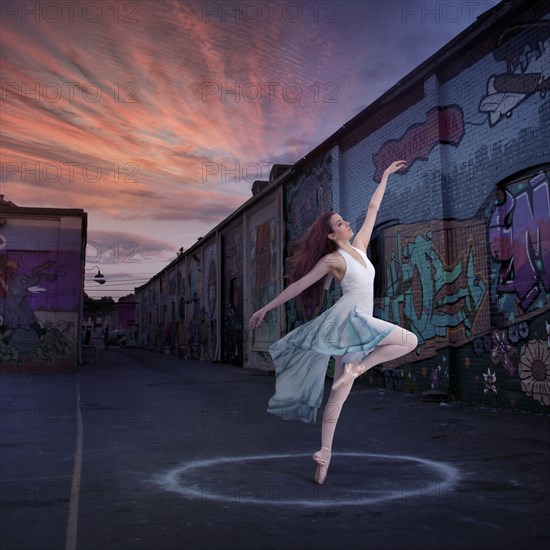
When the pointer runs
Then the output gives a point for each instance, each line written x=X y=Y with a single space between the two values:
x=156 y=117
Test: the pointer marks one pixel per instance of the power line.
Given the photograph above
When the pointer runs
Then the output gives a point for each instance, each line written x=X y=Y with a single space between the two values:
x=117 y=284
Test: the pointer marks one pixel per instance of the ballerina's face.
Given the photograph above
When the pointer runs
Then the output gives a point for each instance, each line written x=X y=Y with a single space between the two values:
x=341 y=229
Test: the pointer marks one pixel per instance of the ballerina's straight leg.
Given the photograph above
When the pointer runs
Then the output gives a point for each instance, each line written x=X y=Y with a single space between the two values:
x=330 y=418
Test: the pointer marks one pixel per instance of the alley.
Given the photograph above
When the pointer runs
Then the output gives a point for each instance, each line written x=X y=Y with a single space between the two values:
x=147 y=451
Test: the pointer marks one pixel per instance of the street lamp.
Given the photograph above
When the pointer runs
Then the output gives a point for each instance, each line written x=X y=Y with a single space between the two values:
x=99 y=278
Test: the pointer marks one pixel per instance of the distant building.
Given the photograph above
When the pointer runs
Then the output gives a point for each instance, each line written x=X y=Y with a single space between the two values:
x=42 y=254
x=126 y=312
x=123 y=314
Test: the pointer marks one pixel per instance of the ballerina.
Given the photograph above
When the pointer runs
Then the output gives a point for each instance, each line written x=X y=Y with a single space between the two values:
x=348 y=331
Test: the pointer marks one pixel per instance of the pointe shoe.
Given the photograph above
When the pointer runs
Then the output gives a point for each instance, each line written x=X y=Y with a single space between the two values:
x=351 y=370
x=322 y=458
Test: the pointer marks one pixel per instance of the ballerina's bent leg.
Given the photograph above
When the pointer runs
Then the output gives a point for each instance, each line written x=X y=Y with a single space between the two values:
x=398 y=343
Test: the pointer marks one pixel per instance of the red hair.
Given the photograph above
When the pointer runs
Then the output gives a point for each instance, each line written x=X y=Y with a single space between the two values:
x=306 y=251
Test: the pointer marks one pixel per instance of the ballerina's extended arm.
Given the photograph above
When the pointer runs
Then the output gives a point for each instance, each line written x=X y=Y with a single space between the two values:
x=363 y=236
x=320 y=269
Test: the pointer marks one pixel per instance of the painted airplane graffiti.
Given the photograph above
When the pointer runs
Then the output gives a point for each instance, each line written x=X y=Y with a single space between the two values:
x=526 y=50
x=418 y=263
x=519 y=237
x=442 y=125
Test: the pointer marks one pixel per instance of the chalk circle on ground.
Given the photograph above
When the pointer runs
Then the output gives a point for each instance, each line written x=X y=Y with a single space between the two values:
x=354 y=479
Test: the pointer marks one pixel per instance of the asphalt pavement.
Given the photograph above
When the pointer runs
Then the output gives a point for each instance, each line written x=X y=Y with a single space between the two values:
x=149 y=451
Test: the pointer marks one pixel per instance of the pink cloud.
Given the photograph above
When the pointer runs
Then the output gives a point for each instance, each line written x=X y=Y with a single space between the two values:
x=157 y=99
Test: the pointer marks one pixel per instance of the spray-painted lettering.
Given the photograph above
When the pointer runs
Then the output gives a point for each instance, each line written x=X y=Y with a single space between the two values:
x=519 y=237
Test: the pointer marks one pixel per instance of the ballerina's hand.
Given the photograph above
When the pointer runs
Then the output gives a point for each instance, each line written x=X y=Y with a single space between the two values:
x=395 y=166
x=256 y=319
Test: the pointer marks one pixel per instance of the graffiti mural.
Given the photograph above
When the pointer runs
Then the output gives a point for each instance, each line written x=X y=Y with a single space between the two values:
x=180 y=296
x=263 y=280
x=193 y=332
x=39 y=302
x=502 y=351
x=208 y=312
x=526 y=51
x=438 y=297
x=518 y=218
x=443 y=125
x=490 y=381
x=519 y=237
x=232 y=333
x=170 y=324
x=534 y=371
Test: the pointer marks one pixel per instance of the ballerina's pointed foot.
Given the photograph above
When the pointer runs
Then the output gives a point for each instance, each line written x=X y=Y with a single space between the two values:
x=322 y=458
x=351 y=371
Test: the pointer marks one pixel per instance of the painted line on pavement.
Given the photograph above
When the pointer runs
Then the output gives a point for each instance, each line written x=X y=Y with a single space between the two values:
x=72 y=522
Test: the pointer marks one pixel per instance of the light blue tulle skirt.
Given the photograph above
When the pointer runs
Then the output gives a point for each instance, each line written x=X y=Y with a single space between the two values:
x=301 y=357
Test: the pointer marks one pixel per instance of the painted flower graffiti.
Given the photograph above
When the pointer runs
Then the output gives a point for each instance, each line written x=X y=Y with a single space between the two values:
x=490 y=381
x=502 y=351
x=534 y=371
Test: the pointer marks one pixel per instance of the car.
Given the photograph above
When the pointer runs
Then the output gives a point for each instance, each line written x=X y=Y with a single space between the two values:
x=118 y=338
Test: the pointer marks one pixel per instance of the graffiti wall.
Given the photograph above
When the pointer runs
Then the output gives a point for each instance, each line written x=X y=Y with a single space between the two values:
x=476 y=291
x=40 y=296
x=516 y=352
x=462 y=246
x=462 y=242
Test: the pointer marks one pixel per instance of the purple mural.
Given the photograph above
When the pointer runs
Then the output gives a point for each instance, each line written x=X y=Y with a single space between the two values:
x=39 y=300
x=519 y=237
